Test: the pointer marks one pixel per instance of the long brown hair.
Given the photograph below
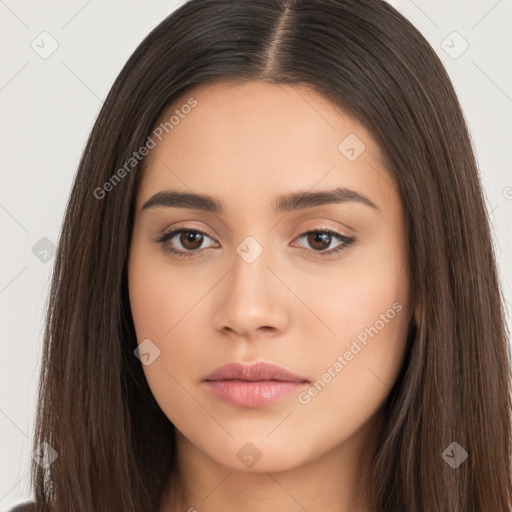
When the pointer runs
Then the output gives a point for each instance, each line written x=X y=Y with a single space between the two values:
x=115 y=446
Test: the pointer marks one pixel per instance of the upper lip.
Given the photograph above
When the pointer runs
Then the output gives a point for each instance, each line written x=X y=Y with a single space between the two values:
x=253 y=372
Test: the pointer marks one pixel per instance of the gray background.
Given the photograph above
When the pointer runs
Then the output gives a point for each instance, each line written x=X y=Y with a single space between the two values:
x=48 y=104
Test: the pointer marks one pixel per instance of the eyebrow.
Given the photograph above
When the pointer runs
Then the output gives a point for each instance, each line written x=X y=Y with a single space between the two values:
x=286 y=203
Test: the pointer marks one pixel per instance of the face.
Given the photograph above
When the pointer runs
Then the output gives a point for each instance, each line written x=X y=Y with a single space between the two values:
x=296 y=258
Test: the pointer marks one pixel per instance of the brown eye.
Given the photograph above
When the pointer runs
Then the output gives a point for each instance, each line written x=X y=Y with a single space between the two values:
x=319 y=240
x=185 y=242
x=191 y=240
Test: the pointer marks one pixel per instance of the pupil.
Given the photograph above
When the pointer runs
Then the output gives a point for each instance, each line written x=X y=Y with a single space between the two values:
x=191 y=239
x=320 y=240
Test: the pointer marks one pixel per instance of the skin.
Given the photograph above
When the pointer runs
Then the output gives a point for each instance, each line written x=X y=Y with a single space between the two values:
x=245 y=145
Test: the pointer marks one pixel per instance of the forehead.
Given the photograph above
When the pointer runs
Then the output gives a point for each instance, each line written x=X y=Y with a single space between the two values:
x=255 y=138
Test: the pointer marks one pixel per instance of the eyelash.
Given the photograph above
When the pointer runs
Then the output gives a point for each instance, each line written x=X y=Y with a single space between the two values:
x=346 y=242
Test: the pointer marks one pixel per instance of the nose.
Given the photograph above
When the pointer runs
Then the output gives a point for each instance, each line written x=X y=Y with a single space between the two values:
x=252 y=301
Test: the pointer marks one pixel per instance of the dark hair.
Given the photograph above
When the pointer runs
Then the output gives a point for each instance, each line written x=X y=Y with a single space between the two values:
x=115 y=446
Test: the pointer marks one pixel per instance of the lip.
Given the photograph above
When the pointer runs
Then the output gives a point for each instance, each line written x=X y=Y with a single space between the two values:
x=253 y=372
x=254 y=385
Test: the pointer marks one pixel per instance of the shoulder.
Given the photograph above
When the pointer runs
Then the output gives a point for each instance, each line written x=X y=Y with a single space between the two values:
x=28 y=506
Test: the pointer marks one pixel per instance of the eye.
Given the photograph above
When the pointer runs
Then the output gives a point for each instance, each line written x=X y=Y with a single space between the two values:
x=321 y=240
x=189 y=241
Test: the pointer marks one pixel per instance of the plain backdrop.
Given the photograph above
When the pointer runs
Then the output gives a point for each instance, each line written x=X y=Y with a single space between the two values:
x=48 y=104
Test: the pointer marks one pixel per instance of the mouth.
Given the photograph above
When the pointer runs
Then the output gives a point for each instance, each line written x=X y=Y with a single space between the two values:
x=253 y=385
x=253 y=373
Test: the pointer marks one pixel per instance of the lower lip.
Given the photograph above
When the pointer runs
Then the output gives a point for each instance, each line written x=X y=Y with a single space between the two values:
x=253 y=394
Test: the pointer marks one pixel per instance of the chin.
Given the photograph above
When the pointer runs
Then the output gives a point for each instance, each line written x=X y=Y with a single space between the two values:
x=256 y=455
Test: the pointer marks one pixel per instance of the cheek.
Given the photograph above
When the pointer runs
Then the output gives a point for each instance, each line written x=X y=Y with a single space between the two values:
x=160 y=302
x=354 y=378
x=165 y=302
x=366 y=304
x=160 y=297
x=353 y=375
x=369 y=291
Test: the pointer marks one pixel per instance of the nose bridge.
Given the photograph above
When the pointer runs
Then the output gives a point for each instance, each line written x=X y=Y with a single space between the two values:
x=251 y=298
x=249 y=282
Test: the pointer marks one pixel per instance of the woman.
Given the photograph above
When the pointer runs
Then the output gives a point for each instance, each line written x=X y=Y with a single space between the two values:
x=275 y=284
